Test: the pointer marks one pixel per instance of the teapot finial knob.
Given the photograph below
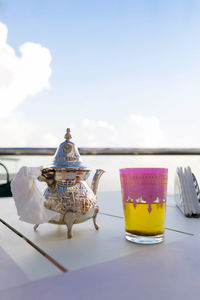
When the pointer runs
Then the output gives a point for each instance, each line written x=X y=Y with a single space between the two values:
x=68 y=135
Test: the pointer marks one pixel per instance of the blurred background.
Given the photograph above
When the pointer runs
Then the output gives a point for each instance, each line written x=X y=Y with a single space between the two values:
x=118 y=73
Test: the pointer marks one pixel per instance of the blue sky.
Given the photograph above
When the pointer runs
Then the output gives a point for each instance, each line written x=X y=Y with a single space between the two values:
x=124 y=73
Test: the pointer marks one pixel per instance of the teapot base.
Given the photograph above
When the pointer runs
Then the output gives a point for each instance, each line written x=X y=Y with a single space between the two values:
x=70 y=218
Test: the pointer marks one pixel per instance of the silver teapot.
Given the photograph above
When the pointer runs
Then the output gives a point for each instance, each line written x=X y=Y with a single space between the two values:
x=67 y=191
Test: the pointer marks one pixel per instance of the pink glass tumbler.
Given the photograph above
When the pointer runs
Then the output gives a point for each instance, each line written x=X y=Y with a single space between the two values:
x=144 y=192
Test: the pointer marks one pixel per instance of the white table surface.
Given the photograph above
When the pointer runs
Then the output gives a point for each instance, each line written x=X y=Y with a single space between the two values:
x=165 y=273
x=26 y=257
x=88 y=247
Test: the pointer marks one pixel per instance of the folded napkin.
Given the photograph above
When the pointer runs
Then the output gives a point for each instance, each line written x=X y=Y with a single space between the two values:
x=187 y=192
x=28 y=198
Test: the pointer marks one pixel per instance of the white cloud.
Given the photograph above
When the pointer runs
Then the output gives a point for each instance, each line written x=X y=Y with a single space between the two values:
x=49 y=140
x=14 y=132
x=21 y=76
x=91 y=133
x=135 y=131
x=29 y=74
x=142 y=131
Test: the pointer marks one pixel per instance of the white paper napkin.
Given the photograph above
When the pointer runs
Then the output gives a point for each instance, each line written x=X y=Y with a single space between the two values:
x=28 y=198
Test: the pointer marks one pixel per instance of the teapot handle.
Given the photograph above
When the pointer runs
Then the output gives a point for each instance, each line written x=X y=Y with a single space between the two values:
x=48 y=176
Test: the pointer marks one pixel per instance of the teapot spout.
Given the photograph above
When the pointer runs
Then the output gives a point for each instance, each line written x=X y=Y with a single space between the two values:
x=95 y=180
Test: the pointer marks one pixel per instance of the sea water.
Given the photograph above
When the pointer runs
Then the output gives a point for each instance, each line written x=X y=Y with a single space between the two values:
x=110 y=181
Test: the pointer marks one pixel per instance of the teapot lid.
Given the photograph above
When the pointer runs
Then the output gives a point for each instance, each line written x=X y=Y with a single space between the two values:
x=67 y=155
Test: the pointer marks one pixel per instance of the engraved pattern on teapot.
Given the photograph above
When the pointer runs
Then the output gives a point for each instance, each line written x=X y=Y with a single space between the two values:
x=67 y=191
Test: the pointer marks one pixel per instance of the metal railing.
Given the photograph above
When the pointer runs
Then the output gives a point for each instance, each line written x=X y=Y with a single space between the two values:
x=104 y=151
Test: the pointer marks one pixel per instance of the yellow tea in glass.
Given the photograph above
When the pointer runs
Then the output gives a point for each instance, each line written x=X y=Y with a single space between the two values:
x=144 y=192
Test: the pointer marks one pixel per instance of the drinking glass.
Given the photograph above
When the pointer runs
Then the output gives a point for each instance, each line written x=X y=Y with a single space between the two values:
x=144 y=192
